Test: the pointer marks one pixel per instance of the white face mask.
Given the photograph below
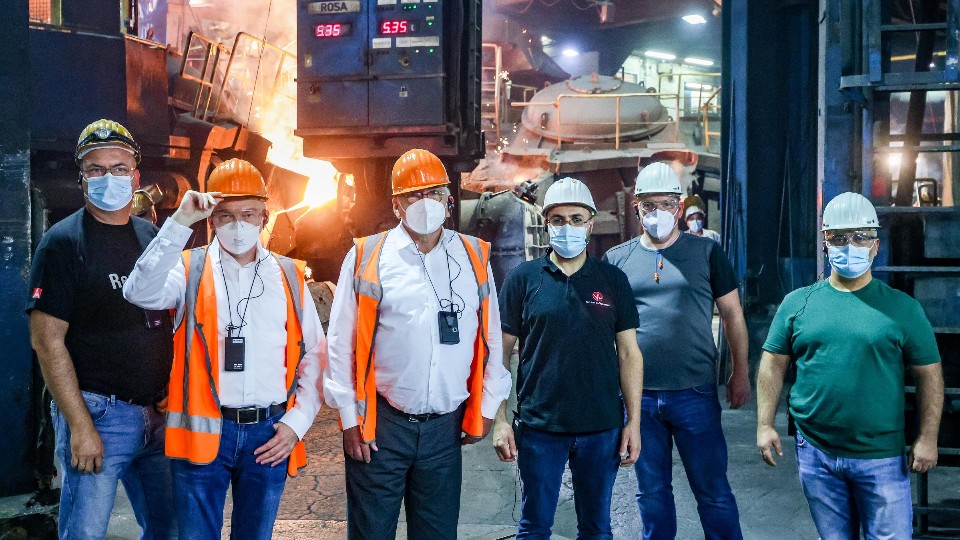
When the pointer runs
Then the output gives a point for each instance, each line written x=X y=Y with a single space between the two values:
x=659 y=223
x=238 y=237
x=109 y=192
x=696 y=225
x=425 y=216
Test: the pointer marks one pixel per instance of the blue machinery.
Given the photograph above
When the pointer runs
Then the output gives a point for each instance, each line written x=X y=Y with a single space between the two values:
x=378 y=77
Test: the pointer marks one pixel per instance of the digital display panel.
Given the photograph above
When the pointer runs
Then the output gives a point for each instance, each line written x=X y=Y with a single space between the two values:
x=331 y=30
x=397 y=27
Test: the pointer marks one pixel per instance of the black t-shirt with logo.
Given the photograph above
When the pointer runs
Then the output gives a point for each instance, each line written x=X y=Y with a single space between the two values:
x=78 y=273
x=569 y=375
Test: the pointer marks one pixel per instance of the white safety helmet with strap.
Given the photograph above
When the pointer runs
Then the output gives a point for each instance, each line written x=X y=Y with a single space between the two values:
x=658 y=178
x=568 y=191
x=850 y=211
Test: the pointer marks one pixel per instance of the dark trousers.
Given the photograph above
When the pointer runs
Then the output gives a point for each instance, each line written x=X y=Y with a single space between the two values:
x=419 y=464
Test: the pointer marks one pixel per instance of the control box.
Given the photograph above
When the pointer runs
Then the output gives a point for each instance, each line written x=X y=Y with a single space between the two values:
x=384 y=70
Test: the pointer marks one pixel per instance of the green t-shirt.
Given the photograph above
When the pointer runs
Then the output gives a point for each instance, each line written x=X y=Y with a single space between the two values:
x=851 y=350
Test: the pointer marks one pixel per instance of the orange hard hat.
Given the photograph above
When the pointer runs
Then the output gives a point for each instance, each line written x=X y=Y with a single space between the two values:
x=237 y=178
x=417 y=169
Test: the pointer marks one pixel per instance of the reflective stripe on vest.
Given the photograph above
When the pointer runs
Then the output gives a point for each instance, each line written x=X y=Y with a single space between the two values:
x=193 y=420
x=369 y=292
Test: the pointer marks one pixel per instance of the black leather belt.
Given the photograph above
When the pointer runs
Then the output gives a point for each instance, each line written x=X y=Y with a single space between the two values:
x=251 y=415
x=410 y=417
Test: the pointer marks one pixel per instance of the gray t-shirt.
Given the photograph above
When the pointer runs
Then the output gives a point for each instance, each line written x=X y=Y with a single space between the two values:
x=676 y=312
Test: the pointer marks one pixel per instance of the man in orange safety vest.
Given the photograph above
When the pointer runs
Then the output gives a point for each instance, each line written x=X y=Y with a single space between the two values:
x=412 y=332
x=248 y=352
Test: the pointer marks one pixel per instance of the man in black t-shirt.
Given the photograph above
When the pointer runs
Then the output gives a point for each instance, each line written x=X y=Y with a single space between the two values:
x=579 y=367
x=105 y=361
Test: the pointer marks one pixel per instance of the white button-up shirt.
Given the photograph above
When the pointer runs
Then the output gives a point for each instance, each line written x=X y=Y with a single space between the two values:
x=414 y=371
x=158 y=282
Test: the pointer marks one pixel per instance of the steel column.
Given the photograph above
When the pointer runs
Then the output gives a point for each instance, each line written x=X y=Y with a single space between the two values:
x=16 y=363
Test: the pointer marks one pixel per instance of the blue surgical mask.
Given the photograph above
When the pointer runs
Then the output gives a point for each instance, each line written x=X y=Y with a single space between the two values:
x=110 y=193
x=696 y=225
x=849 y=261
x=568 y=241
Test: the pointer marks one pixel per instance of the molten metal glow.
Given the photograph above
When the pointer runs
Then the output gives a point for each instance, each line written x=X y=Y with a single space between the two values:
x=287 y=152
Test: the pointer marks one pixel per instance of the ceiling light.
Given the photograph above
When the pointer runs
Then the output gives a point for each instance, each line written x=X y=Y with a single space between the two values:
x=694 y=19
x=570 y=52
x=697 y=86
x=698 y=61
x=660 y=55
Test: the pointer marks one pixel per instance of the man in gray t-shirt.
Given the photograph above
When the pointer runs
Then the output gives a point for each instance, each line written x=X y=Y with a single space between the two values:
x=676 y=278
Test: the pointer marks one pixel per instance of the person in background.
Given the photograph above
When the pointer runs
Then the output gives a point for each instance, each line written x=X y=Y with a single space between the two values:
x=696 y=219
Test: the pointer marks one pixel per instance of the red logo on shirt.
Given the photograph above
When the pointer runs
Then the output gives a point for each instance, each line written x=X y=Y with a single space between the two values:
x=37 y=292
x=597 y=297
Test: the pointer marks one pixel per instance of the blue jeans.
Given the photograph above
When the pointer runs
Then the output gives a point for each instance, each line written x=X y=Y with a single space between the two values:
x=202 y=489
x=132 y=438
x=691 y=418
x=847 y=494
x=594 y=460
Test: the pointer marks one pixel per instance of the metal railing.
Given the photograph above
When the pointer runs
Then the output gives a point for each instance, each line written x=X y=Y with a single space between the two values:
x=249 y=45
x=245 y=79
x=705 y=112
x=209 y=55
x=496 y=80
x=617 y=98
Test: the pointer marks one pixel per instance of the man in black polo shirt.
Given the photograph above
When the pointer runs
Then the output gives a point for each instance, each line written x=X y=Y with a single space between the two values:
x=579 y=365
x=106 y=361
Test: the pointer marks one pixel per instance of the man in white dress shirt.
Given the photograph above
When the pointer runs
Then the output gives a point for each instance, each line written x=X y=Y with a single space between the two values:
x=412 y=328
x=239 y=421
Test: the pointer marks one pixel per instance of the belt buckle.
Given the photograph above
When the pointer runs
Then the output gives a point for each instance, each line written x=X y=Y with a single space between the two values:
x=413 y=418
x=243 y=415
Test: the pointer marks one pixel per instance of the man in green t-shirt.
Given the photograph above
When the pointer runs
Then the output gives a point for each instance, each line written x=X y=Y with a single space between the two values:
x=852 y=337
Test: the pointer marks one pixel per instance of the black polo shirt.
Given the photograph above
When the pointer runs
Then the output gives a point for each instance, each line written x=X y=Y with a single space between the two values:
x=569 y=375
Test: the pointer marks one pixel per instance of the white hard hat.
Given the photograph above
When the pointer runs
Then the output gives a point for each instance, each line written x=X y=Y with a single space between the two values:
x=568 y=191
x=658 y=178
x=850 y=211
x=691 y=210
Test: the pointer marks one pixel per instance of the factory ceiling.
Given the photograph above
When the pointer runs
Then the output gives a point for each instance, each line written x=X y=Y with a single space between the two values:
x=617 y=28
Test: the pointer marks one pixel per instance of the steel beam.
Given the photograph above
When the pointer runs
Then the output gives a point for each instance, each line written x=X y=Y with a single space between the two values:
x=16 y=363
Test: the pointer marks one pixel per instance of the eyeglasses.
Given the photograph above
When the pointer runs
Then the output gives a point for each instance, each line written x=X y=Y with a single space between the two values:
x=669 y=205
x=116 y=170
x=576 y=220
x=437 y=194
x=857 y=238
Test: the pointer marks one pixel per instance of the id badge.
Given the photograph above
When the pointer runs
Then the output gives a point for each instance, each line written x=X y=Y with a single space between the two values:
x=233 y=353
x=449 y=329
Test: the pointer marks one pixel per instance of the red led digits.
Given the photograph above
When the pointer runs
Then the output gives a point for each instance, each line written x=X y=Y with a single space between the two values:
x=395 y=27
x=331 y=30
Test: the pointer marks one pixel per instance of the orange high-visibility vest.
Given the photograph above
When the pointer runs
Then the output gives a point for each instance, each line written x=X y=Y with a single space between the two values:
x=369 y=291
x=193 y=409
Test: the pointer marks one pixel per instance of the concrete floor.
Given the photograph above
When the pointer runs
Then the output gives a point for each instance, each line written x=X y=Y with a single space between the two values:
x=770 y=501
